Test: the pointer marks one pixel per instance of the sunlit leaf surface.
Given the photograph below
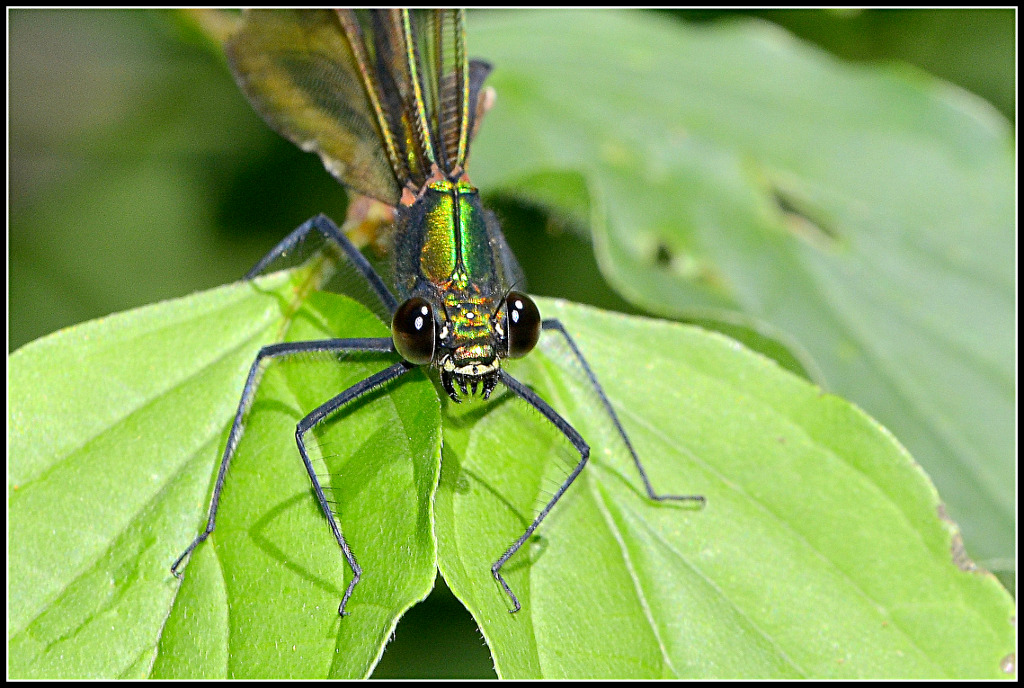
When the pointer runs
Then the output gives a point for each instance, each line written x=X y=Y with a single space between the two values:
x=117 y=427
x=822 y=550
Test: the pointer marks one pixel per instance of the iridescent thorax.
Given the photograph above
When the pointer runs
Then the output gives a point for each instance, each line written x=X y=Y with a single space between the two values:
x=455 y=247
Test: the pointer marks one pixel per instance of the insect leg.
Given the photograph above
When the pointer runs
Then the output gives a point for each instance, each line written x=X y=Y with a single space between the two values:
x=381 y=344
x=557 y=326
x=323 y=224
x=308 y=423
x=530 y=397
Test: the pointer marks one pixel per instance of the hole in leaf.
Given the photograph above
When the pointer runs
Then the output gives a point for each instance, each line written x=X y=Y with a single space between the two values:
x=663 y=256
x=805 y=222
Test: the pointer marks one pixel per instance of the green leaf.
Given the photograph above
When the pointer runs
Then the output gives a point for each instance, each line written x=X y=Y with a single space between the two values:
x=867 y=212
x=117 y=428
x=822 y=551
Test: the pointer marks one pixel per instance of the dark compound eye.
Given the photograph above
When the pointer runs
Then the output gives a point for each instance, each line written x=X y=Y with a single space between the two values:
x=523 y=324
x=412 y=329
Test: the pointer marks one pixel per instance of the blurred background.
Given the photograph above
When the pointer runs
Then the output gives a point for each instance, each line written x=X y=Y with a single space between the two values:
x=137 y=172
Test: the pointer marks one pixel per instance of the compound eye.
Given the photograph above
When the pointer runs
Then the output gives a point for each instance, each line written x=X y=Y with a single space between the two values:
x=523 y=324
x=412 y=329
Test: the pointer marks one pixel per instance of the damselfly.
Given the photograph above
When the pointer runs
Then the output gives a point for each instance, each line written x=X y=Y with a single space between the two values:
x=389 y=101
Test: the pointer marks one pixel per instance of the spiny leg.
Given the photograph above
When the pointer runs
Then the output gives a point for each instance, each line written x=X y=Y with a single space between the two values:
x=308 y=423
x=377 y=344
x=530 y=397
x=556 y=326
x=323 y=224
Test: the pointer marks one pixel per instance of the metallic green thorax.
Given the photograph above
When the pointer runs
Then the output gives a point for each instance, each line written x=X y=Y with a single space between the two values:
x=446 y=245
x=455 y=247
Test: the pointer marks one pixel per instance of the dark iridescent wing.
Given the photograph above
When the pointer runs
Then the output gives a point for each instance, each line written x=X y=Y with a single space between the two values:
x=441 y=47
x=414 y=64
x=298 y=71
x=381 y=95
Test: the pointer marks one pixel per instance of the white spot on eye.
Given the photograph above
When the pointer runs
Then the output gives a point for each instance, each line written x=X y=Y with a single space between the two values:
x=424 y=310
x=515 y=316
x=470 y=315
x=418 y=324
x=518 y=304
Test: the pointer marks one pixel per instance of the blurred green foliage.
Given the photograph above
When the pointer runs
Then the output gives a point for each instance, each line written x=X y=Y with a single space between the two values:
x=971 y=48
x=138 y=172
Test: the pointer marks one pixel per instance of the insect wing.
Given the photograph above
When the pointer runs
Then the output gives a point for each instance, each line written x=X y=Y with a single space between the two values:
x=441 y=45
x=298 y=70
x=414 y=65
